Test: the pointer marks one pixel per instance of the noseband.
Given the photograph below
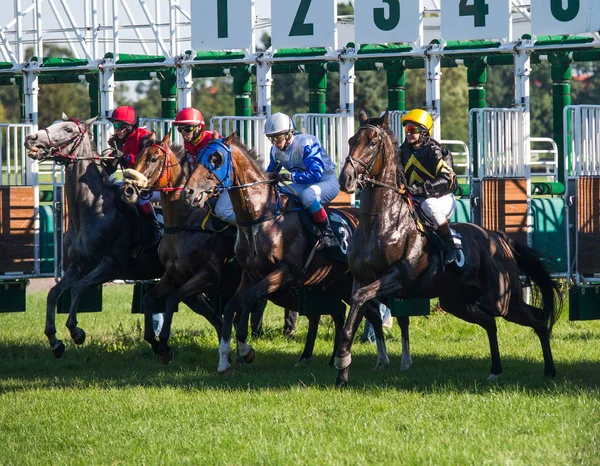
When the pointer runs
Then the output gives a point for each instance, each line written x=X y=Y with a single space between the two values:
x=163 y=179
x=366 y=177
x=56 y=151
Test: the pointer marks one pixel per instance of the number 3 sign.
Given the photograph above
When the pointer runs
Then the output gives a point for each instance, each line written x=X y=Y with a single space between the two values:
x=476 y=19
x=384 y=21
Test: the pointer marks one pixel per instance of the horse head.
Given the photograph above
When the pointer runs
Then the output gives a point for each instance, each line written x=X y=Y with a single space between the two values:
x=155 y=168
x=367 y=153
x=59 y=141
x=213 y=172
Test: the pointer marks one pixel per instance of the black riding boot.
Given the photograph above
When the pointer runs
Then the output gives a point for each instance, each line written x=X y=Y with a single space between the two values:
x=328 y=239
x=451 y=252
x=152 y=232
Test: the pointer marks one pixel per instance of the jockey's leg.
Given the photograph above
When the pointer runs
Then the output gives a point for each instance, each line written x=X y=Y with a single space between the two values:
x=224 y=209
x=311 y=199
x=439 y=210
x=152 y=232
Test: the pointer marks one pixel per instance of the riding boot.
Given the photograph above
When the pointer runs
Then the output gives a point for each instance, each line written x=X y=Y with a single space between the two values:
x=152 y=232
x=328 y=239
x=451 y=251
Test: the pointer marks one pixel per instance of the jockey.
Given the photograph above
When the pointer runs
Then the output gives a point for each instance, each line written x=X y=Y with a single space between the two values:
x=190 y=124
x=128 y=141
x=430 y=175
x=311 y=171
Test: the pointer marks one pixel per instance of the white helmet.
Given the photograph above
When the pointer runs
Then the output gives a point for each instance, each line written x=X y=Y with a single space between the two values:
x=278 y=123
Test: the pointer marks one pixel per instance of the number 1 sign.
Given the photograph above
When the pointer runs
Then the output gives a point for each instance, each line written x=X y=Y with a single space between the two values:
x=476 y=19
x=221 y=24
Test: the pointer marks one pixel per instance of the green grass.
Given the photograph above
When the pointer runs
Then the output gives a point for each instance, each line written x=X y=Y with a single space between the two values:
x=111 y=402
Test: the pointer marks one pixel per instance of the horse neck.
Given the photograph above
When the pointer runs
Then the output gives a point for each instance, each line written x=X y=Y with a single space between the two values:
x=175 y=211
x=252 y=202
x=85 y=182
x=379 y=198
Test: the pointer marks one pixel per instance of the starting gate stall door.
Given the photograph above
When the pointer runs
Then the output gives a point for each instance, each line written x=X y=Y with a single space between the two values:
x=250 y=130
x=333 y=131
x=501 y=189
x=582 y=166
x=161 y=126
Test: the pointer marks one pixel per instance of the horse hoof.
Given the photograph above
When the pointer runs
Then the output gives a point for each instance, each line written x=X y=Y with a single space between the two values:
x=303 y=362
x=551 y=373
x=226 y=373
x=341 y=382
x=58 y=350
x=405 y=364
x=166 y=358
x=380 y=366
x=492 y=377
x=249 y=358
x=79 y=336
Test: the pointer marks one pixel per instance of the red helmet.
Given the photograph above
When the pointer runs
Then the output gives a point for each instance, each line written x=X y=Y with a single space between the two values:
x=125 y=114
x=189 y=116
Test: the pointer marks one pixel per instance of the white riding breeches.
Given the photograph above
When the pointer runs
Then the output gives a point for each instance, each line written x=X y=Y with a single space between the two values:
x=224 y=209
x=439 y=209
x=324 y=191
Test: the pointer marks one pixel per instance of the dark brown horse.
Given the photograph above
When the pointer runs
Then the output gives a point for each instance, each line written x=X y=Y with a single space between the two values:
x=388 y=256
x=272 y=247
x=194 y=257
x=100 y=237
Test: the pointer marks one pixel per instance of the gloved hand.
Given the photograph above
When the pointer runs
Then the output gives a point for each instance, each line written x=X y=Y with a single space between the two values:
x=283 y=177
x=429 y=189
x=415 y=190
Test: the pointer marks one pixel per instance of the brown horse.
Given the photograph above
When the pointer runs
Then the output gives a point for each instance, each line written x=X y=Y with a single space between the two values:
x=194 y=257
x=272 y=247
x=100 y=236
x=388 y=256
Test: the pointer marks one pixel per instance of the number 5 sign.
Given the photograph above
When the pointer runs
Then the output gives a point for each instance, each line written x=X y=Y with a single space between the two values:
x=303 y=23
x=378 y=21
x=564 y=16
x=476 y=19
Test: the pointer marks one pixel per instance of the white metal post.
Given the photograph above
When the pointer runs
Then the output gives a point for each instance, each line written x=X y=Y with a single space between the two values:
x=184 y=86
x=433 y=74
x=264 y=82
x=347 y=78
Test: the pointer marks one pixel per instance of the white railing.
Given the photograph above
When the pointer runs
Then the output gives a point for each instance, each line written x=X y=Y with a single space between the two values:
x=582 y=140
x=249 y=129
x=502 y=140
x=332 y=130
x=161 y=126
x=544 y=158
x=16 y=166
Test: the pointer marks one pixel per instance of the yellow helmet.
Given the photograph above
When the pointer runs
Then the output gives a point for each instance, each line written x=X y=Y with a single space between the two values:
x=418 y=117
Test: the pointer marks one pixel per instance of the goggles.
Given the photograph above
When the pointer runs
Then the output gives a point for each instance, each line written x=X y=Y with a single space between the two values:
x=120 y=126
x=412 y=129
x=187 y=129
x=278 y=138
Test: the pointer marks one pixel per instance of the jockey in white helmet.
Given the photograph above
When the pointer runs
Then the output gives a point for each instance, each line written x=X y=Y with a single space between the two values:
x=311 y=171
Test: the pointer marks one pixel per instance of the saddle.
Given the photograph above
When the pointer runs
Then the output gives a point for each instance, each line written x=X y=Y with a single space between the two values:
x=340 y=225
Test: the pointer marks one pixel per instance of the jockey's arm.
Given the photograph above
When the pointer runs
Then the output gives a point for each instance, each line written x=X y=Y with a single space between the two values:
x=445 y=179
x=314 y=166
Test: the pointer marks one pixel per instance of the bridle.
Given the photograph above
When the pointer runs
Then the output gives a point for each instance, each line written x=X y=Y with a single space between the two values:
x=163 y=179
x=56 y=153
x=367 y=178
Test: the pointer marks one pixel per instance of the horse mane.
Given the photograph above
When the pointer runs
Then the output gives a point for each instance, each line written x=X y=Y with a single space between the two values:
x=179 y=151
x=251 y=154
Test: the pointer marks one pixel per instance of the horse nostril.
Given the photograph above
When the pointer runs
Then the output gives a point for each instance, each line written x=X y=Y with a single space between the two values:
x=129 y=191
x=190 y=192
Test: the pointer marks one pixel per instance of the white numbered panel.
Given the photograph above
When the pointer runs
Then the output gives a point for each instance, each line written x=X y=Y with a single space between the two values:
x=379 y=21
x=564 y=16
x=222 y=24
x=476 y=19
x=303 y=23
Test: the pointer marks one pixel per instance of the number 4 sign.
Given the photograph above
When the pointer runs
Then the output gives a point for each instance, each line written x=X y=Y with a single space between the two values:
x=476 y=19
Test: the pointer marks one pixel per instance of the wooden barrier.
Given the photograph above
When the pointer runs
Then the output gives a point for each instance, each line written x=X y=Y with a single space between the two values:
x=588 y=224
x=17 y=229
x=504 y=206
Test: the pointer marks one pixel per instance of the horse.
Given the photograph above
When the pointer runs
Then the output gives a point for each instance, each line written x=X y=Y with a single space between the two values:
x=194 y=257
x=101 y=235
x=388 y=256
x=274 y=250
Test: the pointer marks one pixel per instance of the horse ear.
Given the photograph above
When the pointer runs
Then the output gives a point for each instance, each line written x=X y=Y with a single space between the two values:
x=215 y=135
x=166 y=140
x=89 y=122
x=151 y=138
x=362 y=117
x=64 y=116
x=386 y=116
x=230 y=139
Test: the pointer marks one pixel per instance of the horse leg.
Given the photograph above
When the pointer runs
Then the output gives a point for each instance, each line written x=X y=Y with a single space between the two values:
x=338 y=320
x=406 y=360
x=161 y=289
x=476 y=315
x=101 y=274
x=70 y=277
x=373 y=315
x=309 y=345
x=531 y=316
x=200 y=306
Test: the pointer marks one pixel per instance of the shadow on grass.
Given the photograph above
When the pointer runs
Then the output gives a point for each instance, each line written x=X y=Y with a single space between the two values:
x=25 y=367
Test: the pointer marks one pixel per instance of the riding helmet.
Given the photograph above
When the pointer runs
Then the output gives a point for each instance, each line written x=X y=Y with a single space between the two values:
x=420 y=118
x=278 y=123
x=125 y=114
x=189 y=116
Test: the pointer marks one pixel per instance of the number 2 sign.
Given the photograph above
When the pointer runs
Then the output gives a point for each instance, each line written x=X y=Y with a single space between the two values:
x=476 y=19
x=303 y=23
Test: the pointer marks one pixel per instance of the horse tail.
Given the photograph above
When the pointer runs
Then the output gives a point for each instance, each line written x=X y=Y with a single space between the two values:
x=531 y=264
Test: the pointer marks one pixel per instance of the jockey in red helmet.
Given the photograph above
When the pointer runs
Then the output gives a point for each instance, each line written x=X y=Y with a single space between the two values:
x=190 y=124
x=129 y=140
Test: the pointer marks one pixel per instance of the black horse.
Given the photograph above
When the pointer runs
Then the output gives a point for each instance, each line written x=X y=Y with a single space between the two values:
x=100 y=237
x=388 y=256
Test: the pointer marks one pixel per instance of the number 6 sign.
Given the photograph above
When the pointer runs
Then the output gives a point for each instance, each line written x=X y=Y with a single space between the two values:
x=476 y=19
x=564 y=16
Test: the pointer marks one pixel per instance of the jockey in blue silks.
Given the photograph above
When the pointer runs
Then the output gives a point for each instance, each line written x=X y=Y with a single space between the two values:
x=311 y=171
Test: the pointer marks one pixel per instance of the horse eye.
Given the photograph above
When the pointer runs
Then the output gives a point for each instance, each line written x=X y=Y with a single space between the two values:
x=216 y=160
x=68 y=129
x=154 y=159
